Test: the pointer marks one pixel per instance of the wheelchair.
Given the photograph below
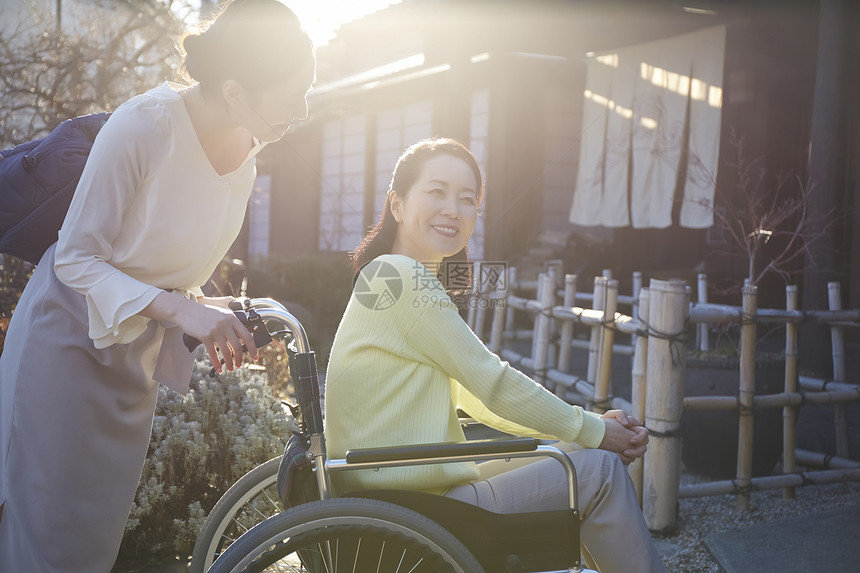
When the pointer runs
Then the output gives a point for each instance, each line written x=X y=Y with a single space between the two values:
x=284 y=516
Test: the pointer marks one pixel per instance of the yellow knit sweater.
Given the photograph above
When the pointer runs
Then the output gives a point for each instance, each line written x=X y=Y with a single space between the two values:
x=403 y=360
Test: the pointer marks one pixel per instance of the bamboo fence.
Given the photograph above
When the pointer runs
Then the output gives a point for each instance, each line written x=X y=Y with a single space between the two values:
x=657 y=327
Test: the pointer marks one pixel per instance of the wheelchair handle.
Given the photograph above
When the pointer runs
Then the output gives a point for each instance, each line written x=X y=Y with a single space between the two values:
x=270 y=309
x=266 y=309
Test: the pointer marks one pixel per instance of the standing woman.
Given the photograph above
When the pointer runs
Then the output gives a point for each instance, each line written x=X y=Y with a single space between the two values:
x=403 y=361
x=100 y=324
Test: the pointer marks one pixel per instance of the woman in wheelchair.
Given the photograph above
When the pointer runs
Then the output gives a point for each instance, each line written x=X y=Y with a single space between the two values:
x=403 y=361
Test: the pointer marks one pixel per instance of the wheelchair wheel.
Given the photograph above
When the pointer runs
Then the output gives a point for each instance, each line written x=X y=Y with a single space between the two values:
x=248 y=502
x=345 y=535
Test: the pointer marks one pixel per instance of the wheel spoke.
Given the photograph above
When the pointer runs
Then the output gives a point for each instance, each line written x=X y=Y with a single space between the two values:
x=416 y=565
x=272 y=501
x=401 y=561
x=239 y=524
x=357 y=549
x=326 y=556
x=381 y=551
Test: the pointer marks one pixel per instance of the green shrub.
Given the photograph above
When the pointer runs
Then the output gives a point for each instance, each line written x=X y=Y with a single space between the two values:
x=202 y=442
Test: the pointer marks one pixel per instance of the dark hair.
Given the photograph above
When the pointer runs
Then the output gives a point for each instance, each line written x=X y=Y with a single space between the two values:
x=380 y=239
x=254 y=42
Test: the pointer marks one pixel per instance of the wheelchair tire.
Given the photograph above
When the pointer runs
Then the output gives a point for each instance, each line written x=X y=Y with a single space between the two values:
x=344 y=535
x=250 y=500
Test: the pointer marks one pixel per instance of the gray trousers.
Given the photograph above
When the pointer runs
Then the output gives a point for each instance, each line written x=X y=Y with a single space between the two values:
x=614 y=536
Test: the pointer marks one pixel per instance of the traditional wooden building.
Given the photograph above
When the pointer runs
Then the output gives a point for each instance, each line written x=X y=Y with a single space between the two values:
x=511 y=80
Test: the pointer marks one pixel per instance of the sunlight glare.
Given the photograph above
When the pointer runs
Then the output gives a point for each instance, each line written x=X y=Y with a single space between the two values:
x=322 y=18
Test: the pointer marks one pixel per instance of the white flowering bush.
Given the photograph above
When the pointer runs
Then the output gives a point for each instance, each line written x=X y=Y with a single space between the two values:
x=202 y=442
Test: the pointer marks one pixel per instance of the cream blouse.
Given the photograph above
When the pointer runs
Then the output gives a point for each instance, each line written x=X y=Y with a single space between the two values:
x=150 y=213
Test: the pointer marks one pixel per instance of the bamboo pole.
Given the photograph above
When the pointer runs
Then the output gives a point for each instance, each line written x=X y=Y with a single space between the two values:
x=555 y=269
x=471 y=312
x=537 y=304
x=509 y=310
x=773 y=400
x=719 y=313
x=519 y=303
x=820 y=385
x=498 y=325
x=703 y=339
x=622 y=349
x=840 y=420
x=639 y=385
x=669 y=308
x=581 y=389
x=604 y=368
x=567 y=325
x=789 y=413
x=596 y=331
x=586 y=316
x=589 y=297
x=634 y=305
x=481 y=295
x=771 y=482
x=817 y=459
x=542 y=328
x=745 y=398
x=518 y=335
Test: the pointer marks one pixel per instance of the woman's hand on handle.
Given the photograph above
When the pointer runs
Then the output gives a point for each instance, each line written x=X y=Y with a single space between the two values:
x=215 y=326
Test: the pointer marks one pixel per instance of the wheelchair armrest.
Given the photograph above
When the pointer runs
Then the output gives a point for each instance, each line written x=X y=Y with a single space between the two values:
x=441 y=450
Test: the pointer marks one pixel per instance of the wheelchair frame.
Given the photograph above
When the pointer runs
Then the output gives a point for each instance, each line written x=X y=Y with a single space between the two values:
x=267 y=536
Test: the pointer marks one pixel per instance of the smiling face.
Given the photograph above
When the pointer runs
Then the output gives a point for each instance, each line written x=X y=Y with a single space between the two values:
x=268 y=114
x=437 y=214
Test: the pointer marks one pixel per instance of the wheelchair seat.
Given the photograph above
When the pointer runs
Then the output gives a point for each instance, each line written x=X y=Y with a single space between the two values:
x=517 y=542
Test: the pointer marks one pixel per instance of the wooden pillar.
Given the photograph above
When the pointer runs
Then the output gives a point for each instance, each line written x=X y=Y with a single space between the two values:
x=569 y=301
x=837 y=342
x=634 y=311
x=538 y=297
x=745 y=397
x=604 y=369
x=789 y=413
x=497 y=327
x=596 y=331
x=704 y=343
x=546 y=296
x=664 y=399
x=639 y=382
x=471 y=312
x=481 y=301
x=509 y=311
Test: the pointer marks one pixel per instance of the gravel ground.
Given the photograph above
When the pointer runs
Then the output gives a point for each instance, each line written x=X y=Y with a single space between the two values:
x=686 y=552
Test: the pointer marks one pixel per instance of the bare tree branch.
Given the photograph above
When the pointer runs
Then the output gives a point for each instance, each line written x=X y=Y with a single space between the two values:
x=766 y=216
x=99 y=60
